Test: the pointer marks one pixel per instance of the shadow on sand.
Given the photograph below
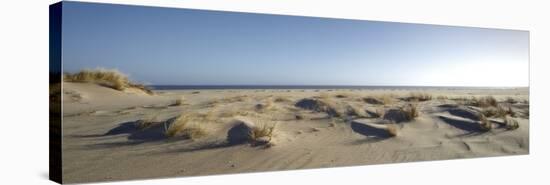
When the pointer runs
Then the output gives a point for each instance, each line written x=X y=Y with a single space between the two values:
x=136 y=135
x=372 y=133
x=471 y=127
x=465 y=113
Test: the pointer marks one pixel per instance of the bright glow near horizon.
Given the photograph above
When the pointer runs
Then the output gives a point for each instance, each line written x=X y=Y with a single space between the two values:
x=480 y=73
x=192 y=47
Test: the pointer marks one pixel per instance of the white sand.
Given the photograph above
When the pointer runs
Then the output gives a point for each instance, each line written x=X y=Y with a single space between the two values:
x=100 y=144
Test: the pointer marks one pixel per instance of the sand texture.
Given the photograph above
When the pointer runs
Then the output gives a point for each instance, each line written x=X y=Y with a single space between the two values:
x=105 y=138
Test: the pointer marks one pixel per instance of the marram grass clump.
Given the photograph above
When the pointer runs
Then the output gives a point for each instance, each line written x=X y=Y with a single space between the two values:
x=411 y=111
x=262 y=131
x=187 y=126
x=511 y=123
x=484 y=123
x=111 y=78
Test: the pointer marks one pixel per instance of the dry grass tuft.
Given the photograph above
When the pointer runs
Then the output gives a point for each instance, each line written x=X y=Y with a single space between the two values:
x=211 y=103
x=341 y=96
x=372 y=100
x=462 y=100
x=187 y=126
x=410 y=111
x=392 y=130
x=385 y=99
x=419 y=97
x=486 y=101
x=354 y=111
x=233 y=99
x=498 y=112
x=511 y=100
x=111 y=78
x=511 y=123
x=141 y=87
x=318 y=105
x=511 y=112
x=485 y=124
x=377 y=113
x=281 y=99
x=262 y=131
x=266 y=106
x=257 y=131
x=147 y=122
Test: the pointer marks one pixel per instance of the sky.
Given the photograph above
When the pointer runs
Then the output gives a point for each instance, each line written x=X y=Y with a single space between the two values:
x=168 y=46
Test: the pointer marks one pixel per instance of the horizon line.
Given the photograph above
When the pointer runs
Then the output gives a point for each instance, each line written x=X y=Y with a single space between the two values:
x=278 y=85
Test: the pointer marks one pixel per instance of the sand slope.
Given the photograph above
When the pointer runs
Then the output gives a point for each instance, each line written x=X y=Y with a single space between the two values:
x=87 y=97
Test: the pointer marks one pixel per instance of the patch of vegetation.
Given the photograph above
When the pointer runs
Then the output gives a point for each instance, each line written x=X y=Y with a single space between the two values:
x=411 y=111
x=511 y=123
x=281 y=99
x=354 y=111
x=372 y=100
x=377 y=113
x=484 y=123
x=511 y=100
x=317 y=106
x=341 y=96
x=147 y=122
x=486 y=101
x=187 y=126
x=106 y=77
x=392 y=129
x=498 y=112
x=264 y=131
x=418 y=97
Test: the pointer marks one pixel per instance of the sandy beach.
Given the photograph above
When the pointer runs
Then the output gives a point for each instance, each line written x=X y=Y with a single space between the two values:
x=111 y=134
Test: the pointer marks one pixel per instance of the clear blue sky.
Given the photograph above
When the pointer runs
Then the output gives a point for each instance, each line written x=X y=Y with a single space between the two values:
x=165 y=46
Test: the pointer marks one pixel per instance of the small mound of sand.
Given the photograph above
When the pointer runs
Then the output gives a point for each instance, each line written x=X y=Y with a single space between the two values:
x=373 y=112
x=395 y=115
x=239 y=132
x=372 y=100
x=242 y=132
x=374 y=130
x=465 y=112
x=467 y=125
x=317 y=106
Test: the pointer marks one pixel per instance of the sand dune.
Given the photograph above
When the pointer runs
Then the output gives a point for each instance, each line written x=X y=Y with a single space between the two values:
x=119 y=135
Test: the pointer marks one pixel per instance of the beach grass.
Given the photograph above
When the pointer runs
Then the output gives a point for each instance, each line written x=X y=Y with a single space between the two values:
x=392 y=129
x=411 y=111
x=111 y=78
x=511 y=123
x=485 y=123
x=264 y=130
x=187 y=126
x=419 y=97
